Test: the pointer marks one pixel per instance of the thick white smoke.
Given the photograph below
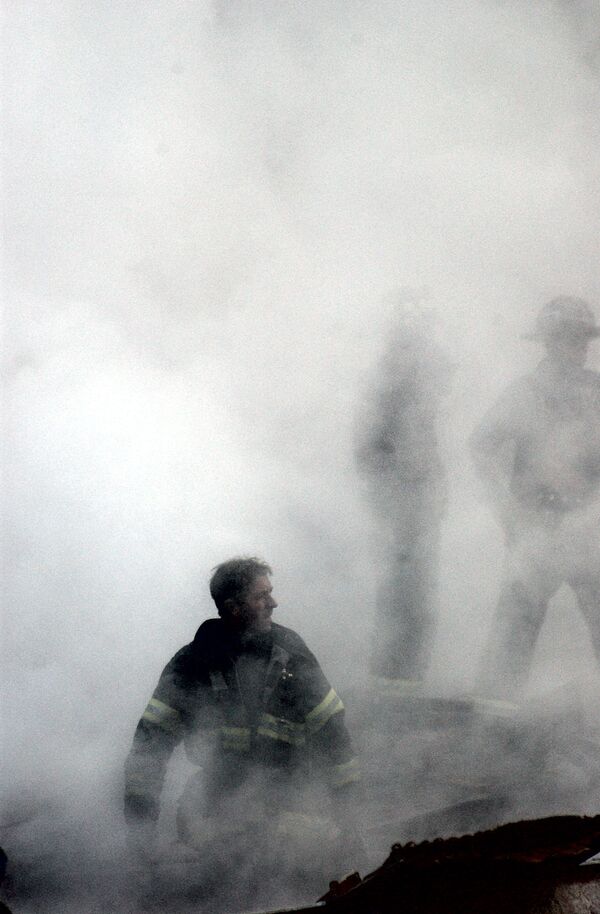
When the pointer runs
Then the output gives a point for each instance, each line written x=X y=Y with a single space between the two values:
x=206 y=204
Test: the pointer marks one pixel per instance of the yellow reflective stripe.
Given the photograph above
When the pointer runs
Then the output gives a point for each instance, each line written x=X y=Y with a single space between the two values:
x=347 y=773
x=318 y=717
x=157 y=712
x=278 y=728
x=161 y=707
x=235 y=739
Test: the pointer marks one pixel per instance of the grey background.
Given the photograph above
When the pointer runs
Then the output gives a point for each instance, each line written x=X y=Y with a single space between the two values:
x=206 y=205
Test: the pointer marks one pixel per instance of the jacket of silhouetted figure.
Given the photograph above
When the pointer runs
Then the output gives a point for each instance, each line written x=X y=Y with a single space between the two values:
x=398 y=456
x=537 y=452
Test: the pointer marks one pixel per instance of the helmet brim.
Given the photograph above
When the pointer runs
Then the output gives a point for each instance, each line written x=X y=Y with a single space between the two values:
x=541 y=335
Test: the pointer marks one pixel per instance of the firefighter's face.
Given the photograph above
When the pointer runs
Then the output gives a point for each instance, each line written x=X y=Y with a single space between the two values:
x=568 y=349
x=254 y=608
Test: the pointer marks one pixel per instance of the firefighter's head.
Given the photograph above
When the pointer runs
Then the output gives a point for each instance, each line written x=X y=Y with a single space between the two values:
x=242 y=591
x=566 y=326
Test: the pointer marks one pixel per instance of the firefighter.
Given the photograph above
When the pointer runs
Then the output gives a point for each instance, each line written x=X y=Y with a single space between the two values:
x=537 y=452
x=398 y=457
x=255 y=690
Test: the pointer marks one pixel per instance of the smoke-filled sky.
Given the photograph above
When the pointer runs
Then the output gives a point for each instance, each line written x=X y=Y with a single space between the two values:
x=206 y=204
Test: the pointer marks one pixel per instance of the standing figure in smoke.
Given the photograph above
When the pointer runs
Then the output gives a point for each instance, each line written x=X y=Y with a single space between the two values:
x=537 y=452
x=398 y=455
x=255 y=690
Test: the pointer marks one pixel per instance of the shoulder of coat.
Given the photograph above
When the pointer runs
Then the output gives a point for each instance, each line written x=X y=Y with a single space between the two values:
x=288 y=639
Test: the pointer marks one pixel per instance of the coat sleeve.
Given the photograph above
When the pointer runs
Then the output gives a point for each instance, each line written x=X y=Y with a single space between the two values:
x=325 y=726
x=159 y=730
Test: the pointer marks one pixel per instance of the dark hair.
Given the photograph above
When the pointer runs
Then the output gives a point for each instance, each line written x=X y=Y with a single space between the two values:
x=230 y=579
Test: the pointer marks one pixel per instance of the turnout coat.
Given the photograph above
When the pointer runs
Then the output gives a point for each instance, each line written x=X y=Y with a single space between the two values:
x=262 y=700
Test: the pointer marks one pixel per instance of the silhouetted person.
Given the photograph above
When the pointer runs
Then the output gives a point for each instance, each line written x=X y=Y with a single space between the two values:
x=254 y=691
x=538 y=453
x=398 y=455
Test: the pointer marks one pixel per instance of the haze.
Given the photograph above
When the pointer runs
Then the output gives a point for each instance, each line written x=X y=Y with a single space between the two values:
x=206 y=205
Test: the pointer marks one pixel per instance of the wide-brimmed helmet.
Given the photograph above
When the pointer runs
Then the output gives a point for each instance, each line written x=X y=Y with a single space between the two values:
x=564 y=315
